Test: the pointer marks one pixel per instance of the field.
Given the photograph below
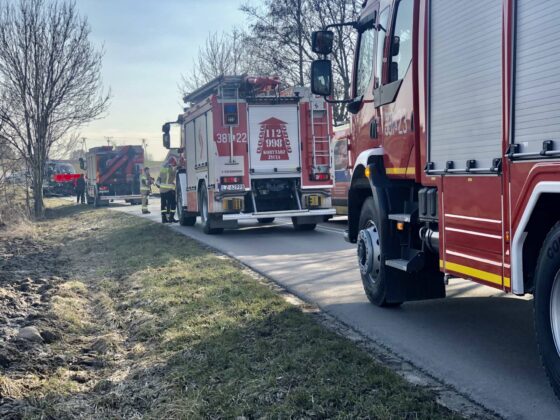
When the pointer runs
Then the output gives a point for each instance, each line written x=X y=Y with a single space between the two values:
x=126 y=319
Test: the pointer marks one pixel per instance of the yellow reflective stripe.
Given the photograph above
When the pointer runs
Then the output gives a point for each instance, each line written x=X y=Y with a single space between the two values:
x=400 y=171
x=473 y=272
x=167 y=185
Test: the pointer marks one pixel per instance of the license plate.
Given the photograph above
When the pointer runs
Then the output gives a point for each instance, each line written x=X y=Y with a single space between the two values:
x=234 y=187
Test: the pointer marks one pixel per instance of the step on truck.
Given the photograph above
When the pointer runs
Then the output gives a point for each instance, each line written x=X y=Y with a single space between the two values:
x=113 y=173
x=456 y=150
x=253 y=152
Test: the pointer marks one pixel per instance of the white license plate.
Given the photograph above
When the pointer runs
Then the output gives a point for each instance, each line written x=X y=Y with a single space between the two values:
x=234 y=187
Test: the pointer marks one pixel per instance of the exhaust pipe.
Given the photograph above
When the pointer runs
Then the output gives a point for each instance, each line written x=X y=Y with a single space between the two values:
x=431 y=239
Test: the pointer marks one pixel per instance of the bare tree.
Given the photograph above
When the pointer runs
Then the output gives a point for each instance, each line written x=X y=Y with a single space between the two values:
x=221 y=54
x=279 y=39
x=50 y=80
x=328 y=12
x=12 y=177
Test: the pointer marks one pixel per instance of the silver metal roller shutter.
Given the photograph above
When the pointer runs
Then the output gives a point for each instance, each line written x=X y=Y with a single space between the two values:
x=465 y=82
x=537 y=78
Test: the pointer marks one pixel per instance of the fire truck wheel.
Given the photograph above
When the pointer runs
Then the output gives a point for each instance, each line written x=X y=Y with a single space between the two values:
x=371 y=257
x=301 y=227
x=96 y=200
x=264 y=220
x=184 y=218
x=546 y=305
x=205 y=215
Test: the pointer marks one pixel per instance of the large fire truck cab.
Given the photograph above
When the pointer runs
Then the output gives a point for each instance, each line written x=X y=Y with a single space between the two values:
x=252 y=152
x=456 y=150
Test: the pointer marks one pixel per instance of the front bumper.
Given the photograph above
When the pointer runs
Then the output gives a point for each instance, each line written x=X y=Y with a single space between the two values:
x=120 y=197
x=289 y=213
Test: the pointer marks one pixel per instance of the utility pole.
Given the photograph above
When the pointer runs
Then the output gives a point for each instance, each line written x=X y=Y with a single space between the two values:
x=84 y=145
x=109 y=139
x=145 y=146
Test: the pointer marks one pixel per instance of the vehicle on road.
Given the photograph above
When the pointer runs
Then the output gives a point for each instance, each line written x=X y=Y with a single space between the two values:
x=113 y=173
x=456 y=151
x=252 y=151
x=59 y=179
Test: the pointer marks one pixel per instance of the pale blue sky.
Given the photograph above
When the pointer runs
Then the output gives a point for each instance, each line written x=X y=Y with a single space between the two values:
x=148 y=45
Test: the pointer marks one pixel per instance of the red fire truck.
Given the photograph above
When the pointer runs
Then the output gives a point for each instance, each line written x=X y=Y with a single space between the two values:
x=253 y=152
x=113 y=173
x=456 y=138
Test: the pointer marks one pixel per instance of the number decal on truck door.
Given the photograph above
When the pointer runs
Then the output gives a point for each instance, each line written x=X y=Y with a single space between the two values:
x=224 y=138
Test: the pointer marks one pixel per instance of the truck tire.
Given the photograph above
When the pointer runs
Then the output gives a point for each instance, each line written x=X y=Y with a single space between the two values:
x=303 y=227
x=546 y=306
x=372 y=243
x=96 y=200
x=184 y=218
x=265 y=220
x=204 y=214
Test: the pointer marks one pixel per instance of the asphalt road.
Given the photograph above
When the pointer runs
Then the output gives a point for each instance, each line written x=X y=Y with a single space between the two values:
x=478 y=340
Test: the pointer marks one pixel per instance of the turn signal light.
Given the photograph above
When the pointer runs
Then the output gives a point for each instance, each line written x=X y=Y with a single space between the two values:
x=321 y=177
x=400 y=226
x=232 y=180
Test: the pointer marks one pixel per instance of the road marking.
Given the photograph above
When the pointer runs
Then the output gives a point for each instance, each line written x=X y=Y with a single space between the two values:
x=329 y=229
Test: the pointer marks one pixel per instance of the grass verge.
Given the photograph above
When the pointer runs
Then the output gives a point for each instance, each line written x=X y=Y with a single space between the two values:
x=172 y=330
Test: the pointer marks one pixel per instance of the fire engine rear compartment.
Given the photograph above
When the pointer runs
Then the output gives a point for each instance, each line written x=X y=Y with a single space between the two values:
x=249 y=151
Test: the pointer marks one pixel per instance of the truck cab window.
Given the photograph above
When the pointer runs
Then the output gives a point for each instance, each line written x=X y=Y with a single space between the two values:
x=401 y=47
x=381 y=36
x=364 y=70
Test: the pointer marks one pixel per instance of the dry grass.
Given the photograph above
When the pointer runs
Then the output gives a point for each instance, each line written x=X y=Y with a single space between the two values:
x=159 y=327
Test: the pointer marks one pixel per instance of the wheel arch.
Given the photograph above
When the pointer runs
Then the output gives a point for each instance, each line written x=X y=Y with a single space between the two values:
x=534 y=225
x=360 y=189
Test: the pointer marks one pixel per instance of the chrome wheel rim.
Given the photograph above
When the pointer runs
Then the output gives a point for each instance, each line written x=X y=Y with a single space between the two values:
x=555 y=311
x=369 y=252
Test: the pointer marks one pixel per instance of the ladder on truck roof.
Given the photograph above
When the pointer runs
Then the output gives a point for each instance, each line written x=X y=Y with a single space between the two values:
x=320 y=149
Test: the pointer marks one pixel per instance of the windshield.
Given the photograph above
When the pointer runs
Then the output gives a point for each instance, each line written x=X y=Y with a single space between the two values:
x=61 y=168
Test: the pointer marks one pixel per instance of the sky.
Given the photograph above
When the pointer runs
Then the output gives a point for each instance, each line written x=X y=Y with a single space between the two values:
x=148 y=44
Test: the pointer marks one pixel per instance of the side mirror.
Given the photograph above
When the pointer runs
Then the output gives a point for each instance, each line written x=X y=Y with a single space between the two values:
x=321 y=77
x=82 y=164
x=396 y=46
x=322 y=42
x=166 y=137
x=355 y=106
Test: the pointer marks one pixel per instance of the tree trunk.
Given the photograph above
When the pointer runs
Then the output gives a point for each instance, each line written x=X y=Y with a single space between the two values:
x=300 y=43
x=37 y=182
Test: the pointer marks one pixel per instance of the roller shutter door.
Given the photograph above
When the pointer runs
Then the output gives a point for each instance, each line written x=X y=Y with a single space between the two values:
x=465 y=82
x=537 y=75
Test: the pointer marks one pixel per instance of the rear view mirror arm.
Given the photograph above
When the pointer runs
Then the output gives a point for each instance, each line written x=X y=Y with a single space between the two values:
x=353 y=24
